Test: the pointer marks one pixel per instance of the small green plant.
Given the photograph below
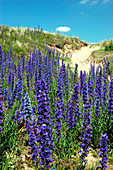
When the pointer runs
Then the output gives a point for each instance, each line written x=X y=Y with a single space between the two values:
x=109 y=47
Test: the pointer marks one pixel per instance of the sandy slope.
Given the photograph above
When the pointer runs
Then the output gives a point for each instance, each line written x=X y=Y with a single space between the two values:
x=81 y=57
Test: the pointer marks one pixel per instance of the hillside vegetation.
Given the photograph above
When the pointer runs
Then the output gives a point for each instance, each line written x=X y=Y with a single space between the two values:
x=105 y=50
x=25 y=39
x=20 y=39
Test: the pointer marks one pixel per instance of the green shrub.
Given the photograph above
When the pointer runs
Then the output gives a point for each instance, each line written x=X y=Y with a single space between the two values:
x=109 y=47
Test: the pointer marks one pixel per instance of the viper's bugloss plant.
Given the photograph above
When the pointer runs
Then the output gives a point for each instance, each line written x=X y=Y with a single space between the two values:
x=98 y=86
x=110 y=113
x=65 y=81
x=70 y=117
x=86 y=128
x=12 y=80
x=60 y=93
x=32 y=132
x=75 y=76
x=1 y=56
x=19 y=70
x=27 y=110
x=58 y=118
x=73 y=110
x=81 y=82
x=9 y=77
x=5 y=97
x=39 y=64
x=91 y=91
x=2 y=73
x=1 y=108
x=14 y=93
x=44 y=124
x=98 y=92
x=103 y=152
x=97 y=108
x=19 y=89
x=43 y=109
x=50 y=76
x=105 y=88
x=72 y=78
x=75 y=102
x=27 y=79
x=93 y=71
x=23 y=63
x=47 y=71
x=60 y=88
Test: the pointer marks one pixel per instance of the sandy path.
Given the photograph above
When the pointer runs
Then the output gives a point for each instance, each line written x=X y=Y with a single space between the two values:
x=81 y=57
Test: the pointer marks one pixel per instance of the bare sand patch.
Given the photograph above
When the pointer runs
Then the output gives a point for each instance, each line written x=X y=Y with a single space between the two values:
x=83 y=57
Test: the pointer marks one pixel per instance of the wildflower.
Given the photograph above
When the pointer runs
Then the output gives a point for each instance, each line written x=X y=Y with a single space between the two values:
x=86 y=129
x=1 y=109
x=58 y=117
x=103 y=152
x=44 y=120
x=32 y=130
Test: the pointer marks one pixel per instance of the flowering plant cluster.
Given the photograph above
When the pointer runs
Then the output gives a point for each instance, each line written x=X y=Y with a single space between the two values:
x=66 y=111
x=44 y=125
x=1 y=109
x=58 y=118
x=86 y=128
x=32 y=130
x=103 y=152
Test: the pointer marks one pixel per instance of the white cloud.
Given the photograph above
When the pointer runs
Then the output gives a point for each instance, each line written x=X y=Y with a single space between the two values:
x=105 y=1
x=63 y=29
x=94 y=2
x=84 y=1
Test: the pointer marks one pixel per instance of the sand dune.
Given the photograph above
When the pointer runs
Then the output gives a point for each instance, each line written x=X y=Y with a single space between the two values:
x=82 y=57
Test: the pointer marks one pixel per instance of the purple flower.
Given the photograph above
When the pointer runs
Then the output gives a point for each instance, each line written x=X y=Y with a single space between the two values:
x=1 y=108
x=44 y=124
x=86 y=129
x=27 y=110
x=1 y=56
x=58 y=117
x=32 y=132
x=73 y=110
x=103 y=152
x=75 y=76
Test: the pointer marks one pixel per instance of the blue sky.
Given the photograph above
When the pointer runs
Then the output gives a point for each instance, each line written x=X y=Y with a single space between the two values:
x=90 y=20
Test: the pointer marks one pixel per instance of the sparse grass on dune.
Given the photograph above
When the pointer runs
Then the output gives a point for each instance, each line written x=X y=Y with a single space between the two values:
x=100 y=54
x=24 y=39
x=106 y=49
